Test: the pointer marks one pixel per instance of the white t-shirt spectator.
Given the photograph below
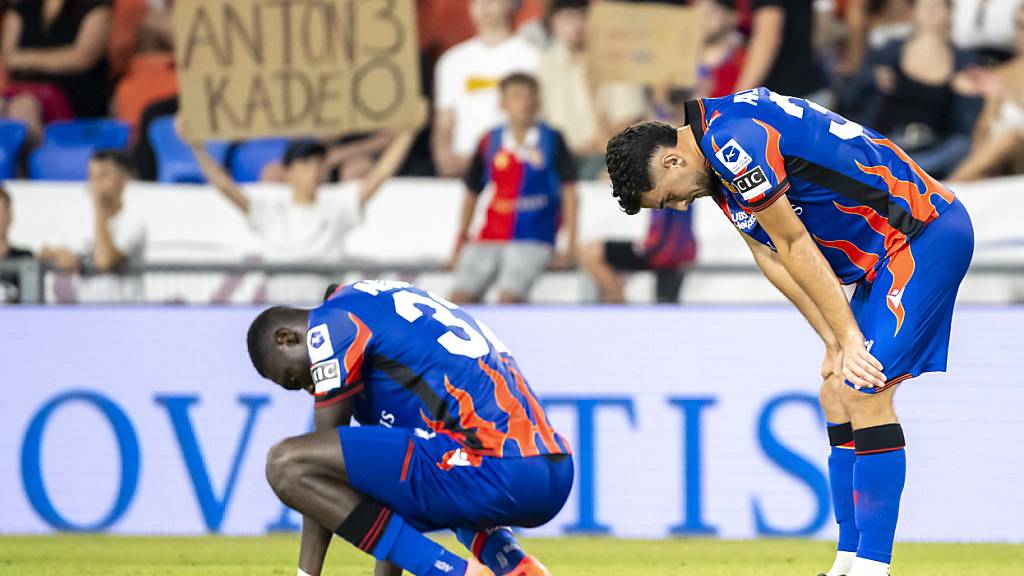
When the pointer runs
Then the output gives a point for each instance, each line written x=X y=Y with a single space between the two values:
x=128 y=231
x=984 y=24
x=294 y=234
x=305 y=234
x=467 y=82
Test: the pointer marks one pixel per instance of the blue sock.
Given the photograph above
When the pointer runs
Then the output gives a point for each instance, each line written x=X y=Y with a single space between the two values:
x=378 y=531
x=495 y=547
x=878 y=478
x=840 y=476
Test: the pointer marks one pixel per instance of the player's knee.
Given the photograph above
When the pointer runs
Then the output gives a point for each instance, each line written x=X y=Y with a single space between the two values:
x=284 y=470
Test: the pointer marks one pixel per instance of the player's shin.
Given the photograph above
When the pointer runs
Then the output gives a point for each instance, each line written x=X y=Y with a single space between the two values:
x=497 y=548
x=376 y=530
x=878 y=479
x=840 y=472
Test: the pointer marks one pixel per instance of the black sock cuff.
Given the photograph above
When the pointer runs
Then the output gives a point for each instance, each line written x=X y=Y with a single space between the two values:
x=840 y=434
x=879 y=439
x=365 y=525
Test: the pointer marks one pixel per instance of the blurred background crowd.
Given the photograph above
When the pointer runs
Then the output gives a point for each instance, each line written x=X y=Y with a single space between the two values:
x=508 y=86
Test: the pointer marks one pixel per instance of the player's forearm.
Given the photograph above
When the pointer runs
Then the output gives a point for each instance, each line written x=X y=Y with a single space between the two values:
x=313 y=547
x=805 y=264
x=781 y=279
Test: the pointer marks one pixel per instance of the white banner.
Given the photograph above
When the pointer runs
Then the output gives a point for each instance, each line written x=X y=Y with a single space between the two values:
x=683 y=421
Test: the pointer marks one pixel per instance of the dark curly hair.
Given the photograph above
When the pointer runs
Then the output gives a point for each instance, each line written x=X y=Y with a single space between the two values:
x=629 y=156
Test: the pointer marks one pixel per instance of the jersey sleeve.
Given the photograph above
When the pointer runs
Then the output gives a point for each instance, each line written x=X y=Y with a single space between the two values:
x=746 y=154
x=565 y=164
x=338 y=342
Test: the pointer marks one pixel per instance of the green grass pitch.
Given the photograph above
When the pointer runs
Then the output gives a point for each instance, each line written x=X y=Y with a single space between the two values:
x=276 y=555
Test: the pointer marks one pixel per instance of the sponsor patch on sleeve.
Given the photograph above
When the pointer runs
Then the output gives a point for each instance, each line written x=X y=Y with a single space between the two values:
x=752 y=184
x=326 y=376
x=318 y=342
x=733 y=156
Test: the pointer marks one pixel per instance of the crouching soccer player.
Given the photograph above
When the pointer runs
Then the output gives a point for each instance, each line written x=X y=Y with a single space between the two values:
x=451 y=436
x=822 y=201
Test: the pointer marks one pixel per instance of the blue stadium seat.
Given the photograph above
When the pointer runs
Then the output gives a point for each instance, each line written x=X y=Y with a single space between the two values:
x=174 y=160
x=12 y=137
x=251 y=157
x=98 y=133
x=67 y=147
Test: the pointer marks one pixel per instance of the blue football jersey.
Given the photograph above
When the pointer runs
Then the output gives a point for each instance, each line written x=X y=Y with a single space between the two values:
x=859 y=195
x=413 y=360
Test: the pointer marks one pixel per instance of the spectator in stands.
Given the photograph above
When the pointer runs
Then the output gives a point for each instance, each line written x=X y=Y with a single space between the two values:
x=724 y=54
x=999 y=135
x=156 y=34
x=985 y=27
x=309 y=227
x=528 y=173
x=586 y=114
x=56 y=55
x=10 y=282
x=669 y=247
x=536 y=28
x=921 y=107
x=112 y=235
x=872 y=24
x=466 y=83
x=780 y=54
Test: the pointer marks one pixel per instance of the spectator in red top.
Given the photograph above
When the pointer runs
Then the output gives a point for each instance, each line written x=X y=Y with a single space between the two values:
x=55 y=52
x=724 y=54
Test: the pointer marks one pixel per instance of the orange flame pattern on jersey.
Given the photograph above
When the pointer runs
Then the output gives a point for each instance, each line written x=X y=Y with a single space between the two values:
x=894 y=239
x=355 y=353
x=773 y=153
x=520 y=428
x=861 y=259
x=920 y=202
x=901 y=266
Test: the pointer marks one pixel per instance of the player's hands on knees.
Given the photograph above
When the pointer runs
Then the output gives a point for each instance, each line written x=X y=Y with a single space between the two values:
x=832 y=365
x=860 y=368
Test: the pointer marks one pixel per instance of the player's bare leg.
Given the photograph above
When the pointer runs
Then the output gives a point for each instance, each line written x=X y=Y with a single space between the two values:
x=841 y=461
x=609 y=285
x=309 y=474
x=879 y=475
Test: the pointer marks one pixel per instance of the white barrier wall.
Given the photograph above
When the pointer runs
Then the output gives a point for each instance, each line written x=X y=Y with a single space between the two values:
x=414 y=221
x=698 y=420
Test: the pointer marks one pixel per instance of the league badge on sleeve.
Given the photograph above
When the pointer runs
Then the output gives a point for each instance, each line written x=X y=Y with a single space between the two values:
x=318 y=342
x=734 y=157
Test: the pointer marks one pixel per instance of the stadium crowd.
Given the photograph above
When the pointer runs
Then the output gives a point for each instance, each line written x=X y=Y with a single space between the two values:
x=508 y=87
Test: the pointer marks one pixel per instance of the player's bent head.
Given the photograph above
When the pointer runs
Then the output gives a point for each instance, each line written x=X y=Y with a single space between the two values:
x=277 y=347
x=630 y=154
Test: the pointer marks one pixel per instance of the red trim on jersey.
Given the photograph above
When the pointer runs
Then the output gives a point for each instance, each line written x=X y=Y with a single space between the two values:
x=354 y=354
x=771 y=200
x=866 y=261
x=370 y=541
x=352 y=391
x=772 y=152
x=405 y=465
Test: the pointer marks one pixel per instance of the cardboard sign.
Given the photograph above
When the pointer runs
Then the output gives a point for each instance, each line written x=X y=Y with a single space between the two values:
x=650 y=44
x=253 y=68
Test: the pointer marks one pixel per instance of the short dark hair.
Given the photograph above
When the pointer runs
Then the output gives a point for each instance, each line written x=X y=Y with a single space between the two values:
x=629 y=156
x=521 y=79
x=120 y=158
x=299 y=150
x=260 y=339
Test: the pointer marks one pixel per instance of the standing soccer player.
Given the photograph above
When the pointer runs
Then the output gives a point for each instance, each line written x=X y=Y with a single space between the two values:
x=822 y=201
x=451 y=435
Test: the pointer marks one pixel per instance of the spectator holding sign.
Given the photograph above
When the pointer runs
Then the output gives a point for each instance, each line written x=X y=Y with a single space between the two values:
x=466 y=83
x=56 y=55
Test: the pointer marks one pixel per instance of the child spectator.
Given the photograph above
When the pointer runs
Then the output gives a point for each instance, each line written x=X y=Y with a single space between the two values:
x=527 y=172
x=56 y=56
x=466 y=83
